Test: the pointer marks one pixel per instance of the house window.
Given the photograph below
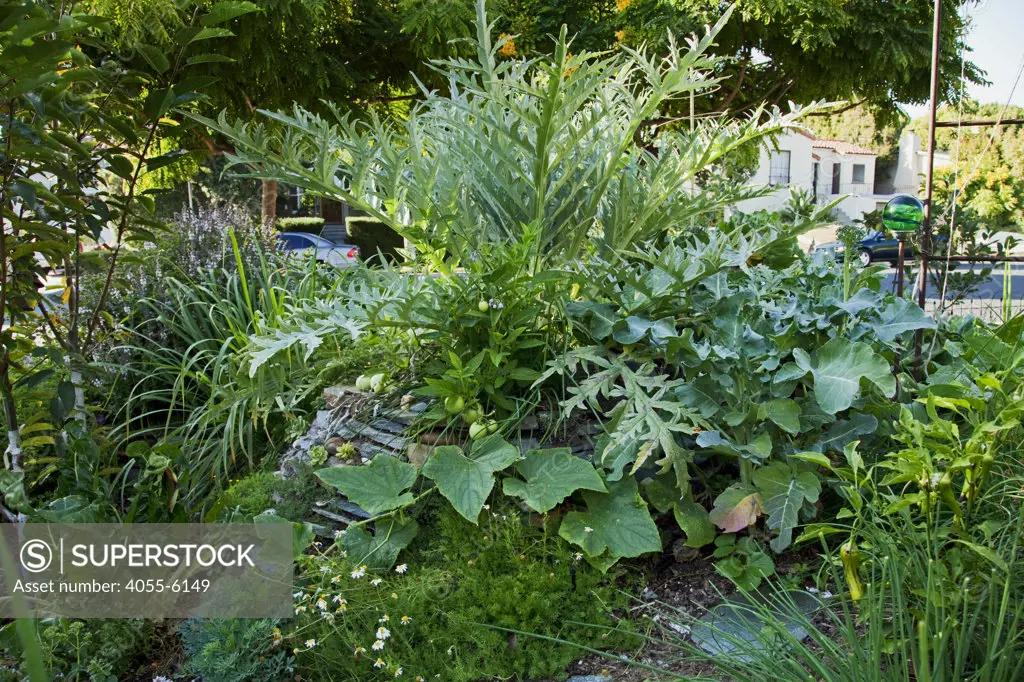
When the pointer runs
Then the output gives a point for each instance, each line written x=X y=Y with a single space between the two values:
x=778 y=168
x=858 y=173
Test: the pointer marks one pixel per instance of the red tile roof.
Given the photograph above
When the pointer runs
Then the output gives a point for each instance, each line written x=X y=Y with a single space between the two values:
x=841 y=147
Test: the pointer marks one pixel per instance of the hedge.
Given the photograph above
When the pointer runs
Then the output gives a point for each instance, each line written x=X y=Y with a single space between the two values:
x=303 y=224
x=371 y=235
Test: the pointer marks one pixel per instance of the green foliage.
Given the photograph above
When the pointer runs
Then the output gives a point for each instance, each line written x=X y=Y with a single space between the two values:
x=377 y=487
x=742 y=561
x=234 y=650
x=454 y=592
x=300 y=224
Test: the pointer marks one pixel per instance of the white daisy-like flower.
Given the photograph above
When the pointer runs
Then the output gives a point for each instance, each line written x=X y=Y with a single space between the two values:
x=379 y=663
x=588 y=529
x=296 y=595
x=419 y=678
x=358 y=650
x=378 y=645
x=324 y=569
x=383 y=619
x=338 y=600
x=487 y=507
x=406 y=620
x=394 y=595
x=577 y=556
x=299 y=609
x=398 y=672
x=336 y=579
x=383 y=632
x=376 y=581
x=321 y=604
x=338 y=533
x=401 y=568
x=310 y=643
x=359 y=572
x=329 y=617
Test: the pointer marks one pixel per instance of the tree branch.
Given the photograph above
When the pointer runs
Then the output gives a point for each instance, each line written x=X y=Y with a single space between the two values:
x=833 y=112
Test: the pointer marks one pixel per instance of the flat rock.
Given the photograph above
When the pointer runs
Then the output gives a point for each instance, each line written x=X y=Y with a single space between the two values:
x=737 y=623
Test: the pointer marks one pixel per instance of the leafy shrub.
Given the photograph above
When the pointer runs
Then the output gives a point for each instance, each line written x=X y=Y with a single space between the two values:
x=259 y=491
x=373 y=236
x=440 y=613
x=234 y=650
x=300 y=224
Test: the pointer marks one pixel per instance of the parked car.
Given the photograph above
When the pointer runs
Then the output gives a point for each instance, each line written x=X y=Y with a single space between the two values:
x=876 y=246
x=302 y=243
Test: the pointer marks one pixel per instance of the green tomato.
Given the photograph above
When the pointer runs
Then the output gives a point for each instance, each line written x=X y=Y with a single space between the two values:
x=454 y=404
x=471 y=415
x=363 y=383
x=483 y=306
x=477 y=429
x=492 y=427
x=377 y=383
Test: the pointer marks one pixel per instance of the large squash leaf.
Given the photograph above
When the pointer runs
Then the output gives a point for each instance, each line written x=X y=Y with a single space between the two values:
x=377 y=487
x=899 y=317
x=617 y=521
x=379 y=552
x=783 y=491
x=551 y=476
x=467 y=481
x=737 y=507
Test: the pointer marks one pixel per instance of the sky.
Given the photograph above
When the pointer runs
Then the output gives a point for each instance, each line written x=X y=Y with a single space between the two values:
x=995 y=36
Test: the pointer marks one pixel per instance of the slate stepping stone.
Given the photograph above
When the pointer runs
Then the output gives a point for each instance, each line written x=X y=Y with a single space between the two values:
x=737 y=623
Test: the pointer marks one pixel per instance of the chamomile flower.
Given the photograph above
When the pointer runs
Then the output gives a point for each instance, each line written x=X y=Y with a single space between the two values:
x=419 y=678
x=398 y=672
x=329 y=617
x=487 y=507
x=379 y=663
x=577 y=556
x=296 y=595
x=394 y=595
x=338 y=533
x=406 y=620
x=378 y=645
x=588 y=529
x=276 y=638
x=321 y=604
x=358 y=650
x=310 y=643
x=338 y=600
x=299 y=609
x=383 y=619
x=336 y=579
x=359 y=572
x=376 y=581
x=383 y=632
x=401 y=568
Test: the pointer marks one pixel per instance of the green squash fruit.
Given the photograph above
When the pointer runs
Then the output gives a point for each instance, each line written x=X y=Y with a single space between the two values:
x=363 y=383
x=483 y=306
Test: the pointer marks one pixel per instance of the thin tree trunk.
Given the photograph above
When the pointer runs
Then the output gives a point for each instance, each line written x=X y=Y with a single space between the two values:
x=12 y=455
x=268 y=204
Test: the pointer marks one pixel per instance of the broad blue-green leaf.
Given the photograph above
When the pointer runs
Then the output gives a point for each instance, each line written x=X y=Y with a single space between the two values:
x=617 y=521
x=598 y=318
x=631 y=329
x=783 y=491
x=785 y=413
x=12 y=487
x=838 y=367
x=737 y=507
x=759 y=448
x=376 y=487
x=899 y=317
x=848 y=430
x=700 y=394
x=302 y=533
x=551 y=476
x=379 y=552
x=693 y=519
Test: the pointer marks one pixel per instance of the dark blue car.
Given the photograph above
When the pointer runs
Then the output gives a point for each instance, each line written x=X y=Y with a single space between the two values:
x=875 y=247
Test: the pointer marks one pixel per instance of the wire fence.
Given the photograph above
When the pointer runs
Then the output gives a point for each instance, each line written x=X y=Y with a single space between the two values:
x=987 y=309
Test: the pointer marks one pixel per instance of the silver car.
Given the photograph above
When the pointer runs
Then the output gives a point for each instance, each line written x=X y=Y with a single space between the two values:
x=302 y=244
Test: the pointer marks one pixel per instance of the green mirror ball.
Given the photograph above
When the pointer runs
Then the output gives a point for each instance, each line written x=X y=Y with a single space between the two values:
x=903 y=214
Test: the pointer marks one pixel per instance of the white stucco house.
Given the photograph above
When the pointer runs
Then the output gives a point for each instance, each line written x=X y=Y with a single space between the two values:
x=830 y=169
